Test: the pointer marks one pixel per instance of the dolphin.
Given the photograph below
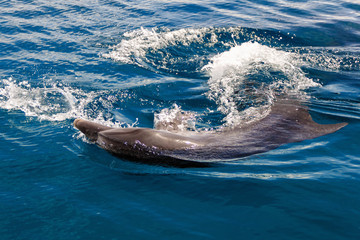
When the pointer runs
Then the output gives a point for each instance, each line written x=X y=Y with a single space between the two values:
x=288 y=121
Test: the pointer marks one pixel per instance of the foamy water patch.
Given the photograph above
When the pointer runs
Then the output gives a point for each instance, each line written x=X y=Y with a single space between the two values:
x=175 y=119
x=53 y=103
x=245 y=80
x=136 y=44
x=187 y=50
x=56 y=102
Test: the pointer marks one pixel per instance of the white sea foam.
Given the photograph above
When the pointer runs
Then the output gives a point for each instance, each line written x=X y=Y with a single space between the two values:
x=54 y=102
x=175 y=119
x=235 y=85
x=136 y=44
x=143 y=46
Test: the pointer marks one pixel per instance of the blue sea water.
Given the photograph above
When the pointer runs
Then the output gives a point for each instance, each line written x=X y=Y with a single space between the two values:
x=133 y=63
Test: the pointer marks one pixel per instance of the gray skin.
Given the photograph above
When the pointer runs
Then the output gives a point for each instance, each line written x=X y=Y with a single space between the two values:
x=287 y=122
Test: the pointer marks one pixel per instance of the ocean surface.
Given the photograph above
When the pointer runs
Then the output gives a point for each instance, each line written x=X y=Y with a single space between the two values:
x=138 y=63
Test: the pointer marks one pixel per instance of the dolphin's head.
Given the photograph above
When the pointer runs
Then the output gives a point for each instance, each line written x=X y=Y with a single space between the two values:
x=90 y=129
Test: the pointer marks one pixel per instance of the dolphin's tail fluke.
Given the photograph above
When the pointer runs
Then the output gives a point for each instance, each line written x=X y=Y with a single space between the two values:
x=90 y=129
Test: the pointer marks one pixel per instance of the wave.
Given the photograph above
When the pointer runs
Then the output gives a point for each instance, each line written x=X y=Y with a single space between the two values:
x=186 y=51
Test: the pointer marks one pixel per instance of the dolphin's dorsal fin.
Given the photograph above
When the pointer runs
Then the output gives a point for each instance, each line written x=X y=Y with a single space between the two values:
x=297 y=120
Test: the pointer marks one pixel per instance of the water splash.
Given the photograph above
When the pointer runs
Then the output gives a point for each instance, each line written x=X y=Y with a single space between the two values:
x=54 y=103
x=245 y=80
x=185 y=51
x=175 y=119
x=58 y=102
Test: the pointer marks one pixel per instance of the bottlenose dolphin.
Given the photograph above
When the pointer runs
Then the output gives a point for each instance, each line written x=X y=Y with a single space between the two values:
x=287 y=122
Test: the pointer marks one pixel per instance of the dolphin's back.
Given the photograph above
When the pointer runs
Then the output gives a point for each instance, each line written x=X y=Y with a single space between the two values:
x=287 y=122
